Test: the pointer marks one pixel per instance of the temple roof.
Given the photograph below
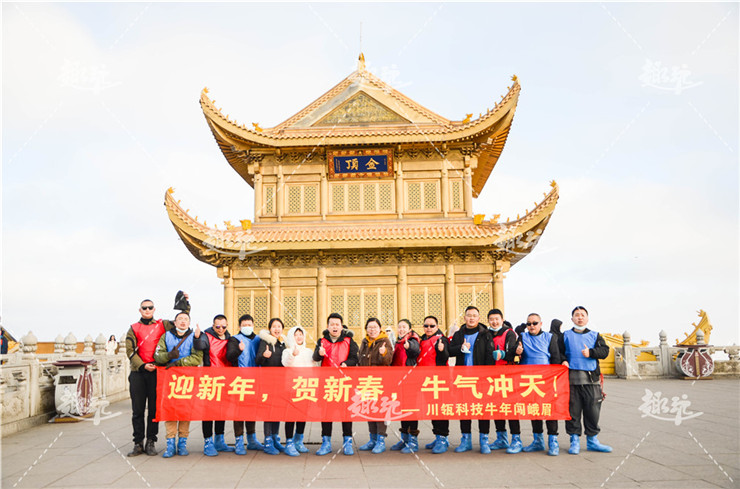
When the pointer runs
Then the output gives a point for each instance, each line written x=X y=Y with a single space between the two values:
x=364 y=110
x=516 y=238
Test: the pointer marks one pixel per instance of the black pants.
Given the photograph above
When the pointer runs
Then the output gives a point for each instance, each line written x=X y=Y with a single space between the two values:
x=586 y=400
x=514 y=426
x=410 y=427
x=143 y=391
x=271 y=428
x=552 y=426
x=300 y=427
x=441 y=427
x=346 y=428
x=240 y=425
x=208 y=428
x=484 y=426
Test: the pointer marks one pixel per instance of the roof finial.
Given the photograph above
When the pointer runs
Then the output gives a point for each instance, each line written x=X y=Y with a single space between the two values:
x=361 y=62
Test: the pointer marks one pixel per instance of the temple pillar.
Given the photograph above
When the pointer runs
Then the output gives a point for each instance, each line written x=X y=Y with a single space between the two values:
x=228 y=281
x=257 y=193
x=450 y=309
x=399 y=191
x=275 y=293
x=445 y=192
x=322 y=299
x=324 y=195
x=403 y=293
x=500 y=268
x=279 y=194
x=468 y=188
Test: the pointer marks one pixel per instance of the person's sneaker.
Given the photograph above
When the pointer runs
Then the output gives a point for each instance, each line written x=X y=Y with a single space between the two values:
x=137 y=450
x=150 y=449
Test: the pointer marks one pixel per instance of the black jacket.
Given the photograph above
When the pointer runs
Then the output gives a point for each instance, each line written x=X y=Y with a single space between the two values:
x=598 y=352
x=444 y=355
x=275 y=346
x=203 y=344
x=482 y=349
x=352 y=359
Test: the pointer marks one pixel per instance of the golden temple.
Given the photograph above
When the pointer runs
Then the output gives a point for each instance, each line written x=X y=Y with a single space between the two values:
x=363 y=206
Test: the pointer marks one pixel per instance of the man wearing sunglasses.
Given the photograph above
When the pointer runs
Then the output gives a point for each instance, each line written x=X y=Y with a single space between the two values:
x=435 y=352
x=213 y=343
x=538 y=347
x=141 y=342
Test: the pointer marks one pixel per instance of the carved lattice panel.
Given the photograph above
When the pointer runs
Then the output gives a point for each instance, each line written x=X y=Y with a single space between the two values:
x=290 y=308
x=368 y=197
x=337 y=197
x=387 y=307
x=464 y=299
x=354 y=319
x=310 y=200
x=418 y=307
x=307 y=312
x=385 y=197
x=435 y=301
x=294 y=199
x=456 y=202
x=483 y=302
x=243 y=306
x=413 y=195
x=371 y=304
x=431 y=196
x=269 y=200
x=353 y=197
x=260 y=309
x=337 y=303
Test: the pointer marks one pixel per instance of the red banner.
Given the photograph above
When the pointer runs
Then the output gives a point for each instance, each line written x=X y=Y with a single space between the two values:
x=363 y=393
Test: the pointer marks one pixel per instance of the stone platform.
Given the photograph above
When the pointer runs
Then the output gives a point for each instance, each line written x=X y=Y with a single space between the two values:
x=676 y=451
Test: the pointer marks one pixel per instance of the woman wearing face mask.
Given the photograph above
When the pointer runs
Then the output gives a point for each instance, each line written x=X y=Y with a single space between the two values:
x=376 y=351
x=176 y=349
x=296 y=354
x=270 y=354
x=241 y=351
x=405 y=353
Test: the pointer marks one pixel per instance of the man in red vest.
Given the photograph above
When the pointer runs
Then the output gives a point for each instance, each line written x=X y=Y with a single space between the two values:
x=213 y=343
x=336 y=349
x=141 y=342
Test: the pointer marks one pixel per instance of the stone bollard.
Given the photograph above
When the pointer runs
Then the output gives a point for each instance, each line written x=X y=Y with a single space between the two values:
x=70 y=345
x=628 y=357
x=88 y=342
x=666 y=360
x=59 y=344
x=733 y=352
x=100 y=342
x=30 y=344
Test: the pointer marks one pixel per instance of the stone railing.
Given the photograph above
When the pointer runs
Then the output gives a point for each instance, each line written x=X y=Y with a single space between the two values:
x=27 y=379
x=665 y=364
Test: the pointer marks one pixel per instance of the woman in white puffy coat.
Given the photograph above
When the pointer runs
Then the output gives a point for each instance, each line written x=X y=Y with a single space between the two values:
x=296 y=354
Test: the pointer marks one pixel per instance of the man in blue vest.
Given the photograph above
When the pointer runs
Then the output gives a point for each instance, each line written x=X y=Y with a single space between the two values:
x=537 y=347
x=241 y=350
x=581 y=349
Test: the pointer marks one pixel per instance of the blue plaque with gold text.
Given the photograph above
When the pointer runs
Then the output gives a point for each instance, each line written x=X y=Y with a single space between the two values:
x=360 y=163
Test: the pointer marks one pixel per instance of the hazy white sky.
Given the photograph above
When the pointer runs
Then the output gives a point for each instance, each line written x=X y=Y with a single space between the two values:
x=631 y=108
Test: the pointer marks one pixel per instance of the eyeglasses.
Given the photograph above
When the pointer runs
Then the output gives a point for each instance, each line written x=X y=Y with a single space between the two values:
x=534 y=323
x=147 y=308
x=219 y=327
x=430 y=325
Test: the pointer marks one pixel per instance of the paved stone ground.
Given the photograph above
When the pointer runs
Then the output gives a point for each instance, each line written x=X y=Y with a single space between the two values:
x=700 y=452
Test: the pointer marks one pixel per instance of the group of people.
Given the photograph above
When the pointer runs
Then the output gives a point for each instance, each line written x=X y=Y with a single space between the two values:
x=151 y=343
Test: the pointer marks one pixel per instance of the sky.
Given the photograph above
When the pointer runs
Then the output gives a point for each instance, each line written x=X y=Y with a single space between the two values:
x=632 y=108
